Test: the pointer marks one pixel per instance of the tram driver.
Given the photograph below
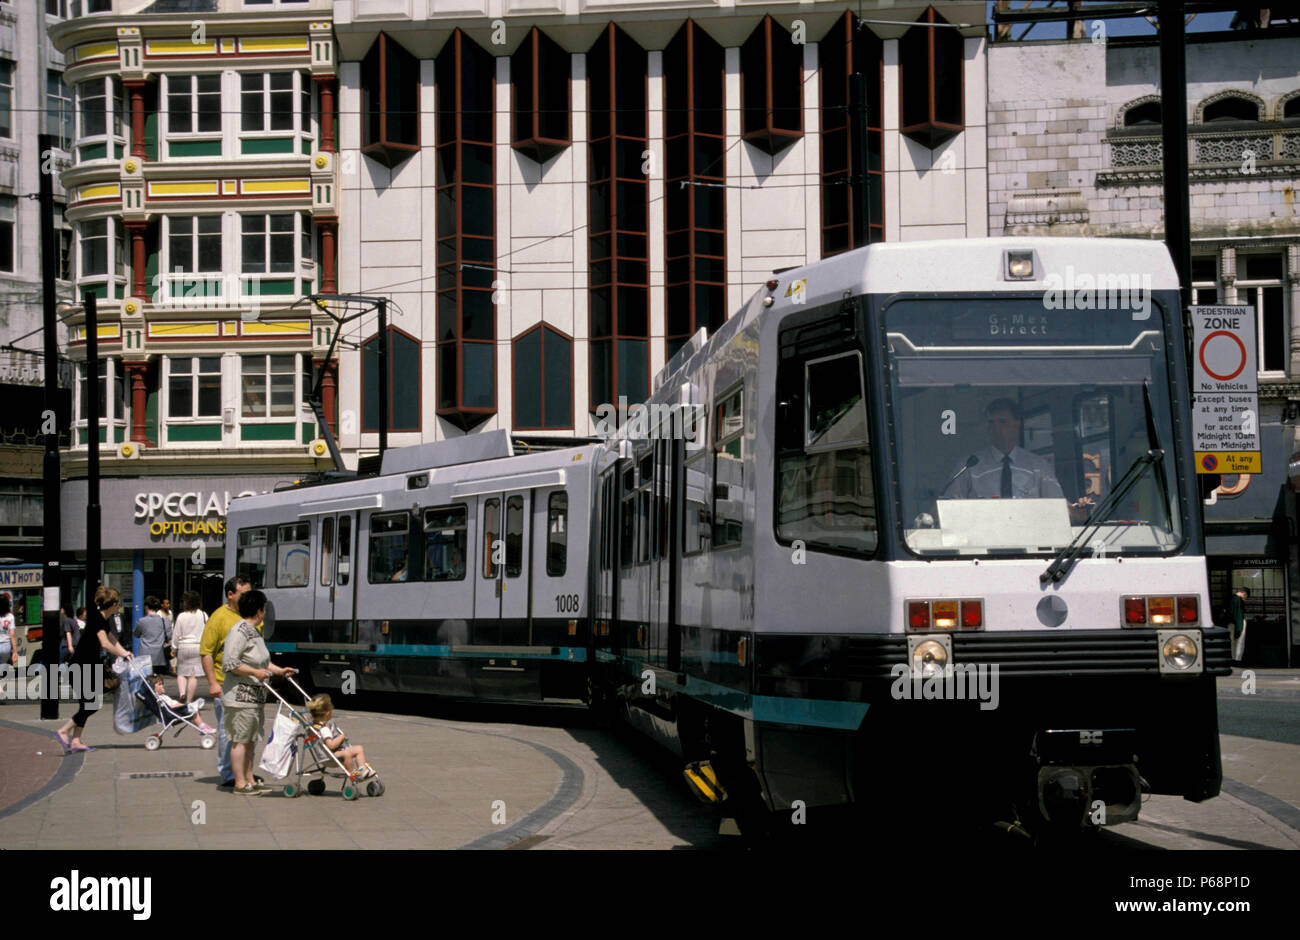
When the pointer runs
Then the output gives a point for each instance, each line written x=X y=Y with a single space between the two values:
x=1005 y=470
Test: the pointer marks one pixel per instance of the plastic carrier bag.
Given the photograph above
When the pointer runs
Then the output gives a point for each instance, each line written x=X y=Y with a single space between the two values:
x=131 y=713
x=281 y=746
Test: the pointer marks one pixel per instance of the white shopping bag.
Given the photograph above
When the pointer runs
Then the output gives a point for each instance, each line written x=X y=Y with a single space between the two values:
x=281 y=746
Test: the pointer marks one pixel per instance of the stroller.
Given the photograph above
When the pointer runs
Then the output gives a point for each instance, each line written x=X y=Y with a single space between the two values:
x=301 y=751
x=153 y=707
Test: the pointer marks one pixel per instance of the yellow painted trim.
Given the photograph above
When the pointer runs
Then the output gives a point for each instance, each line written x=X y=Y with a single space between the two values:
x=229 y=187
x=97 y=192
x=274 y=44
x=227 y=45
x=286 y=326
x=229 y=328
x=276 y=186
x=179 y=47
x=94 y=50
x=182 y=329
x=198 y=188
x=106 y=331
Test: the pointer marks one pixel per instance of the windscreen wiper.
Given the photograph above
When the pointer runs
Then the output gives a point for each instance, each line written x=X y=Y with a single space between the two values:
x=1065 y=559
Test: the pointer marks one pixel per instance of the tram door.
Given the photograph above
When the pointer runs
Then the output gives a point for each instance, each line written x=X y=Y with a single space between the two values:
x=335 y=580
x=502 y=599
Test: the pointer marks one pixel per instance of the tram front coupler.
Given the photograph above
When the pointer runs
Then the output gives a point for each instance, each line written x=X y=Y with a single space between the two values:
x=1087 y=777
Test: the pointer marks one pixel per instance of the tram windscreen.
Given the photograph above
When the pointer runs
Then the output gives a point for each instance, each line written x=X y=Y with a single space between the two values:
x=998 y=399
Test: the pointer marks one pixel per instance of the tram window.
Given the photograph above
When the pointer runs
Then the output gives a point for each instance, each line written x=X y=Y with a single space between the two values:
x=326 y=551
x=627 y=537
x=557 y=533
x=389 y=535
x=826 y=496
x=643 y=526
x=444 y=543
x=491 y=534
x=514 y=536
x=345 y=549
x=292 y=555
x=251 y=557
x=728 y=471
x=695 y=519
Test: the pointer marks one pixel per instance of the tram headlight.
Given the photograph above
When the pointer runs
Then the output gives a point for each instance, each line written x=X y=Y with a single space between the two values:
x=1180 y=651
x=1020 y=265
x=929 y=655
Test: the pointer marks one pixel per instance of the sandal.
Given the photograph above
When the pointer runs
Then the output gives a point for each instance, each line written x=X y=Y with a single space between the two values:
x=80 y=748
x=67 y=745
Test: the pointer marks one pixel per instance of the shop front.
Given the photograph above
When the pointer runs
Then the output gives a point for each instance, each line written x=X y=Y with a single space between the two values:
x=161 y=536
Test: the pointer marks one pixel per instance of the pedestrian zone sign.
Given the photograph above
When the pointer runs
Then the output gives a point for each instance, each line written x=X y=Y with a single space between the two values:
x=1225 y=394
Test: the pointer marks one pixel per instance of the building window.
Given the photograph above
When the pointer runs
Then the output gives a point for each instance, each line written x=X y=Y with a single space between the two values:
x=771 y=87
x=22 y=511
x=267 y=243
x=1205 y=279
x=390 y=102
x=403 y=382
x=1260 y=285
x=619 y=307
x=539 y=74
x=194 y=243
x=543 y=379
x=193 y=104
x=466 y=229
x=112 y=401
x=269 y=386
x=57 y=8
x=931 y=61
x=696 y=238
x=63 y=232
x=1231 y=108
x=193 y=387
x=100 y=106
x=267 y=102
x=1292 y=108
x=1146 y=114
x=58 y=109
x=100 y=245
x=6 y=97
x=8 y=223
x=849 y=48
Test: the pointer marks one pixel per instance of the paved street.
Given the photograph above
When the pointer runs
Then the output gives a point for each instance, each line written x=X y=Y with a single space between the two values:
x=484 y=776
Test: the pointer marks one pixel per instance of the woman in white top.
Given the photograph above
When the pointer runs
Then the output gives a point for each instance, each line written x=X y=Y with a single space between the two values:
x=8 y=633
x=185 y=641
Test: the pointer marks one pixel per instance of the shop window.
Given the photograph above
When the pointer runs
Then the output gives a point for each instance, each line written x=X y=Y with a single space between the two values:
x=1231 y=108
x=619 y=323
x=293 y=555
x=931 y=62
x=58 y=109
x=557 y=533
x=268 y=387
x=252 y=554
x=696 y=238
x=8 y=223
x=1143 y=115
x=390 y=102
x=194 y=387
x=771 y=84
x=403 y=382
x=848 y=48
x=193 y=104
x=543 y=380
x=445 y=543
x=389 y=537
x=728 y=470
x=539 y=73
x=466 y=230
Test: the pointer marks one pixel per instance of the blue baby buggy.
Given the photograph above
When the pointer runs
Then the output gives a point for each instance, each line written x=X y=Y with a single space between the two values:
x=139 y=707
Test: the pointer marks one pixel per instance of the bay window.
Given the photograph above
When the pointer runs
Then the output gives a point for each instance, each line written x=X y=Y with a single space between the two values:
x=194 y=243
x=193 y=104
x=193 y=387
x=276 y=256
x=100 y=127
x=274 y=108
x=101 y=257
x=112 y=402
x=270 y=386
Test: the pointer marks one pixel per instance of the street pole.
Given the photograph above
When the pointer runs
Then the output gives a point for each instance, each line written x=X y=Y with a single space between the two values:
x=858 y=130
x=383 y=376
x=93 y=405
x=1173 y=119
x=51 y=627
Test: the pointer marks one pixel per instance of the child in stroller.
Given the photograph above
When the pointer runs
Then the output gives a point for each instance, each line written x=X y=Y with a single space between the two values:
x=171 y=712
x=352 y=755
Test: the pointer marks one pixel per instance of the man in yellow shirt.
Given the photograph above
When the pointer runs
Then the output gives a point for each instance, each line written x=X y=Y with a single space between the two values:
x=210 y=647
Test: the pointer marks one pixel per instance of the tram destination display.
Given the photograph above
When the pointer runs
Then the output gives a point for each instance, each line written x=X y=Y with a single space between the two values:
x=1225 y=399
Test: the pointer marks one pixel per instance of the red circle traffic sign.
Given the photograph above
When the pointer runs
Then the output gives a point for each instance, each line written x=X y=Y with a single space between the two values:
x=1228 y=376
x=1209 y=462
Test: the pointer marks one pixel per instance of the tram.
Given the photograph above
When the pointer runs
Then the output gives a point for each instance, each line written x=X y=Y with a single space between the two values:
x=872 y=543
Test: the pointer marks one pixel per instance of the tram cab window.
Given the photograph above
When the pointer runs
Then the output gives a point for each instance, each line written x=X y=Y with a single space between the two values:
x=826 y=495
x=389 y=536
x=293 y=555
x=252 y=553
x=444 y=543
x=557 y=533
x=728 y=470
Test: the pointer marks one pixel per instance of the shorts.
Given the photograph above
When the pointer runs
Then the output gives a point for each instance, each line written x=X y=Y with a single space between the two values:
x=243 y=725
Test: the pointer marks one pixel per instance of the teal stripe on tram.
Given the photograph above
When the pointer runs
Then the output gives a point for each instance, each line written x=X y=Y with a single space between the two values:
x=568 y=654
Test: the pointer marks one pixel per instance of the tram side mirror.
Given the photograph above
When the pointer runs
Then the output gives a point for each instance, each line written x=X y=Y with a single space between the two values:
x=1209 y=482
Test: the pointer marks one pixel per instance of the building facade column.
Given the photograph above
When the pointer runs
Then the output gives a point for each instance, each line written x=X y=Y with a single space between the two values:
x=135 y=372
x=328 y=254
x=135 y=231
x=328 y=391
x=136 y=91
x=325 y=87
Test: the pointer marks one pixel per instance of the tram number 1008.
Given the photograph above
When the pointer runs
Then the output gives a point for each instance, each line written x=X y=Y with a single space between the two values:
x=566 y=603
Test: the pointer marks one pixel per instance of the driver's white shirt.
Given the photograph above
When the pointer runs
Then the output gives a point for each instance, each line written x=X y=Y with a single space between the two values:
x=1031 y=477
